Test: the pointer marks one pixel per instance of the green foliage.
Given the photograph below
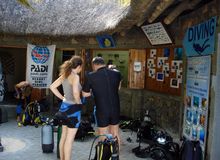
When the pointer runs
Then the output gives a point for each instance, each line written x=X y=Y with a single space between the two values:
x=26 y=4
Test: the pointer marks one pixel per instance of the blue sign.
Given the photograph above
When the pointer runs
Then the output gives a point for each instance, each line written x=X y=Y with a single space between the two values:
x=197 y=99
x=105 y=41
x=200 y=39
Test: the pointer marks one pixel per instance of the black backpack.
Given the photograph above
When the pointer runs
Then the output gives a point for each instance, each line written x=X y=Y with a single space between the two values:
x=191 y=150
x=85 y=129
x=107 y=149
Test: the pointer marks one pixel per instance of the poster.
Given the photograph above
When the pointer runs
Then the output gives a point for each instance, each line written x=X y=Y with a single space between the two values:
x=39 y=68
x=196 y=99
x=200 y=39
x=156 y=34
x=137 y=66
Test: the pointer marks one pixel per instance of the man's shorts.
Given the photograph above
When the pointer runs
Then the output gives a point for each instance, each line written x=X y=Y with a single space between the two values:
x=71 y=114
x=104 y=119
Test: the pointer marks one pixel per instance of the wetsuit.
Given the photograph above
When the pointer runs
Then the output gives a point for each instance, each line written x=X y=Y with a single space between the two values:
x=69 y=108
x=104 y=84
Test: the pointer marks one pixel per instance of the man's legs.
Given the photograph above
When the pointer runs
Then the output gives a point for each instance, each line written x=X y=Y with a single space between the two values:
x=114 y=130
x=111 y=129
x=103 y=131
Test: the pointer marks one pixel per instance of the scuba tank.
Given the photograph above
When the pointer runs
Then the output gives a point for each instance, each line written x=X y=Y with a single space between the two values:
x=47 y=137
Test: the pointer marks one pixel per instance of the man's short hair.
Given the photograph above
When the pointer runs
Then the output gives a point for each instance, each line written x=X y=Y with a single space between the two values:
x=98 y=61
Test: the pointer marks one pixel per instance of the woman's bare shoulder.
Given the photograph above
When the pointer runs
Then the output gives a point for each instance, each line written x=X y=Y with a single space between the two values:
x=73 y=78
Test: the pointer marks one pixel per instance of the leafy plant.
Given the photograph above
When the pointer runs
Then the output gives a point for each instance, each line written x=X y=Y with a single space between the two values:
x=26 y=4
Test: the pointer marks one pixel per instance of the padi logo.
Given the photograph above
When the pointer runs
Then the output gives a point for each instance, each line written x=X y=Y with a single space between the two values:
x=40 y=55
x=39 y=68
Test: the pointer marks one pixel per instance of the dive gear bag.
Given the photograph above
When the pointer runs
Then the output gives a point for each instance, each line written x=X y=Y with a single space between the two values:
x=107 y=149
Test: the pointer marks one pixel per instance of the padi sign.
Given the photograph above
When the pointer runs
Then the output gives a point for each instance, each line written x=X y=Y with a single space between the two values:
x=40 y=65
x=199 y=40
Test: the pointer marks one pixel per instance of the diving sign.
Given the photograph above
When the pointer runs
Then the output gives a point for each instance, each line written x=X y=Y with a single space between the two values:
x=200 y=39
x=39 y=68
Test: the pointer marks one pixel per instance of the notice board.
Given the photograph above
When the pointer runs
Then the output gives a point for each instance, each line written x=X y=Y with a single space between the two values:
x=156 y=34
x=164 y=68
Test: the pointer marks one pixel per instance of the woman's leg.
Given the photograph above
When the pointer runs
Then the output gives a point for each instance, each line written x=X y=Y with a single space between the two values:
x=62 y=142
x=19 y=115
x=71 y=132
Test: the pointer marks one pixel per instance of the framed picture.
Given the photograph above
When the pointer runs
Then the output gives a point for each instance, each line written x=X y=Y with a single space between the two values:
x=174 y=83
x=160 y=76
x=137 y=66
x=156 y=34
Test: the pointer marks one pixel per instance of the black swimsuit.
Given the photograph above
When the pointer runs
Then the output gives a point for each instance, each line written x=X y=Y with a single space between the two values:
x=104 y=84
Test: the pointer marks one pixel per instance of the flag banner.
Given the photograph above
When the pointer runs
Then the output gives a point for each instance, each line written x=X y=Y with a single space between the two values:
x=105 y=41
x=40 y=65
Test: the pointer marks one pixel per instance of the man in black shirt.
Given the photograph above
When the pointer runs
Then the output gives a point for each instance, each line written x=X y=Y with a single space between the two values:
x=104 y=84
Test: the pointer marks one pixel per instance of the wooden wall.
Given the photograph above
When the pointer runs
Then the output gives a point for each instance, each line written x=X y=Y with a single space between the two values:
x=156 y=69
x=136 y=75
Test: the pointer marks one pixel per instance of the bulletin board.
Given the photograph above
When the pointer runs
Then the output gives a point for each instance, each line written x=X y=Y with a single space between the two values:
x=119 y=58
x=164 y=70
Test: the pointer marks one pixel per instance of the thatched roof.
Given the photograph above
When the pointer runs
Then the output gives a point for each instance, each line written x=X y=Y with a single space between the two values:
x=79 y=17
x=61 y=17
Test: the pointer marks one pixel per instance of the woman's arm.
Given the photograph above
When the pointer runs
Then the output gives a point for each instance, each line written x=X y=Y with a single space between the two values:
x=17 y=92
x=54 y=88
x=17 y=88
